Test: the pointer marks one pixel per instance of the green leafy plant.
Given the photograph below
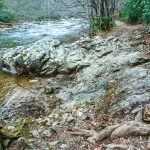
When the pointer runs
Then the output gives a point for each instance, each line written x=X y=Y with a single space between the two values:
x=102 y=23
x=136 y=11
x=86 y=103
x=54 y=17
x=89 y=104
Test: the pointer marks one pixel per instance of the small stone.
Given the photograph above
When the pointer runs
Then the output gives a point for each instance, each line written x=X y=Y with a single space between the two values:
x=136 y=43
x=115 y=39
x=141 y=46
x=56 y=43
x=47 y=133
x=69 y=106
x=148 y=143
x=35 y=133
x=54 y=116
x=136 y=110
x=138 y=117
x=91 y=140
x=110 y=38
x=146 y=113
x=49 y=90
x=54 y=143
x=64 y=117
x=94 y=123
x=67 y=118
x=22 y=141
x=85 y=116
x=131 y=147
x=118 y=146
x=64 y=146
x=48 y=121
x=41 y=130
x=70 y=118
x=84 y=144
x=98 y=49
x=138 y=37
x=41 y=121
x=11 y=127
x=55 y=127
x=33 y=81
x=79 y=114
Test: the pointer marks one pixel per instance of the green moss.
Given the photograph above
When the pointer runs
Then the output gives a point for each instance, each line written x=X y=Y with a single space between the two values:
x=109 y=98
x=19 y=128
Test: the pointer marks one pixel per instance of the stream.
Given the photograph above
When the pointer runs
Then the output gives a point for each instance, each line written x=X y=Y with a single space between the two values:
x=26 y=33
x=29 y=32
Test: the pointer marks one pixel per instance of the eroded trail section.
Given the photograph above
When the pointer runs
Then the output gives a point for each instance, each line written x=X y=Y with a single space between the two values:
x=96 y=86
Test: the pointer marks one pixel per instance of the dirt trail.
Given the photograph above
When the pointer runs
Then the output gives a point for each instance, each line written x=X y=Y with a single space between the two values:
x=122 y=25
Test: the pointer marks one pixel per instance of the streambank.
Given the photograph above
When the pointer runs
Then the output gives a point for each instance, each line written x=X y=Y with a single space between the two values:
x=92 y=82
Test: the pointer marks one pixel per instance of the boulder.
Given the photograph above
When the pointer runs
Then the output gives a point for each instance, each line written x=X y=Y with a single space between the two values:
x=30 y=102
x=146 y=113
x=45 y=57
x=105 y=71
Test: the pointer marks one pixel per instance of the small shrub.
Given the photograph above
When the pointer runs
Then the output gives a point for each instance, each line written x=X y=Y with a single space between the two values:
x=86 y=103
x=55 y=17
x=102 y=23
x=47 y=17
x=44 y=17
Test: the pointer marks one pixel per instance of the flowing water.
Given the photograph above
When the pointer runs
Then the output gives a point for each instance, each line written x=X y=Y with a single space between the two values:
x=26 y=33
x=64 y=30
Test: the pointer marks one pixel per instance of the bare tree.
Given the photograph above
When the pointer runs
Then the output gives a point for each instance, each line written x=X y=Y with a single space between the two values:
x=99 y=12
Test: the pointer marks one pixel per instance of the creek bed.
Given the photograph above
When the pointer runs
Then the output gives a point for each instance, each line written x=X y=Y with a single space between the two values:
x=29 y=32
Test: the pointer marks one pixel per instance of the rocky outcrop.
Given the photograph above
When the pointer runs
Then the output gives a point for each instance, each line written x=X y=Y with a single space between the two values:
x=105 y=96
x=31 y=102
x=106 y=70
x=45 y=57
x=117 y=75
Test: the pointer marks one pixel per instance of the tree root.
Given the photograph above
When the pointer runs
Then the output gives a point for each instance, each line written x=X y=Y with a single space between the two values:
x=131 y=128
x=86 y=133
x=105 y=133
